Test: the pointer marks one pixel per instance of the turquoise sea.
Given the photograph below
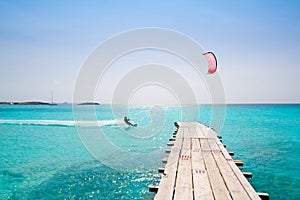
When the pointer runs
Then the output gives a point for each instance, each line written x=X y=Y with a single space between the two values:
x=42 y=155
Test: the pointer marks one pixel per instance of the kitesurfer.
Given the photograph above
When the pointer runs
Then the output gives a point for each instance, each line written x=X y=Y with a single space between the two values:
x=127 y=121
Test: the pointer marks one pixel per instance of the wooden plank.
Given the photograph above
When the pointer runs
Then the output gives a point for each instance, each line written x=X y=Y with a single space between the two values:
x=167 y=183
x=218 y=185
x=238 y=162
x=182 y=124
x=233 y=185
x=247 y=174
x=248 y=187
x=179 y=124
x=244 y=182
x=153 y=188
x=263 y=196
x=204 y=145
x=202 y=188
x=180 y=132
x=201 y=131
x=161 y=170
x=164 y=160
x=183 y=189
x=192 y=131
x=168 y=151
x=205 y=132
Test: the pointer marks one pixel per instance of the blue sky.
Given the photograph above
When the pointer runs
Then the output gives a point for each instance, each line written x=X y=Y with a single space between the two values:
x=44 y=43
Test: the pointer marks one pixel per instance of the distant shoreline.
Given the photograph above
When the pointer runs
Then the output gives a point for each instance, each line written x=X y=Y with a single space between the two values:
x=26 y=103
x=45 y=103
x=88 y=104
x=96 y=103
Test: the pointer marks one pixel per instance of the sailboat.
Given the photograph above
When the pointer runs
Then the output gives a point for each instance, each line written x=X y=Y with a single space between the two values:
x=52 y=103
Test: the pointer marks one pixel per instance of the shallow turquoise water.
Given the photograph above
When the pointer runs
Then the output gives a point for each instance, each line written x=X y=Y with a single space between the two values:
x=266 y=138
x=42 y=156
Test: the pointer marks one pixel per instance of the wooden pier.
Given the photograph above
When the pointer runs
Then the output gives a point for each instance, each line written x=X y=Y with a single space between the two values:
x=199 y=167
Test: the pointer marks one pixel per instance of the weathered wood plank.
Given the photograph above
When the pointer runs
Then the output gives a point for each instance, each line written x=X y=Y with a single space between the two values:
x=235 y=189
x=243 y=181
x=204 y=145
x=167 y=183
x=201 y=131
x=218 y=185
x=202 y=188
x=184 y=189
x=192 y=131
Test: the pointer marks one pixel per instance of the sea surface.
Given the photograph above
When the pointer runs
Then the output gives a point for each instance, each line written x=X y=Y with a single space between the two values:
x=48 y=152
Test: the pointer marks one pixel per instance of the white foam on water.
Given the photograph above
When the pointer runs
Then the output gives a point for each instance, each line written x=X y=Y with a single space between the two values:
x=64 y=122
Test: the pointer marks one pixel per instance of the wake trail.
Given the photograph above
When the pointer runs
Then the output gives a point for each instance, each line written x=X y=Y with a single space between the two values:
x=68 y=123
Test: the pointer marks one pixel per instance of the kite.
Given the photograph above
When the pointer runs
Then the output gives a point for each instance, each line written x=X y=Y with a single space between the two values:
x=212 y=62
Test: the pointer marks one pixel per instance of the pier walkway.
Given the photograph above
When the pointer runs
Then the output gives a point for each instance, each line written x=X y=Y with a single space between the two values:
x=199 y=167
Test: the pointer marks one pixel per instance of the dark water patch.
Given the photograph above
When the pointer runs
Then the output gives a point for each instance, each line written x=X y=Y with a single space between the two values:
x=12 y=174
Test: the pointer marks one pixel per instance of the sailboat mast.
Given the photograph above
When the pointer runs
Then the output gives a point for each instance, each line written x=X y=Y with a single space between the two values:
x=51 y=97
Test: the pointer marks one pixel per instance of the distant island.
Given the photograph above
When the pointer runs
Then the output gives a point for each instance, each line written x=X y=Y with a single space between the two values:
x=5 y=103
x=89 y=103
x=26 y=103
x=45 y=103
